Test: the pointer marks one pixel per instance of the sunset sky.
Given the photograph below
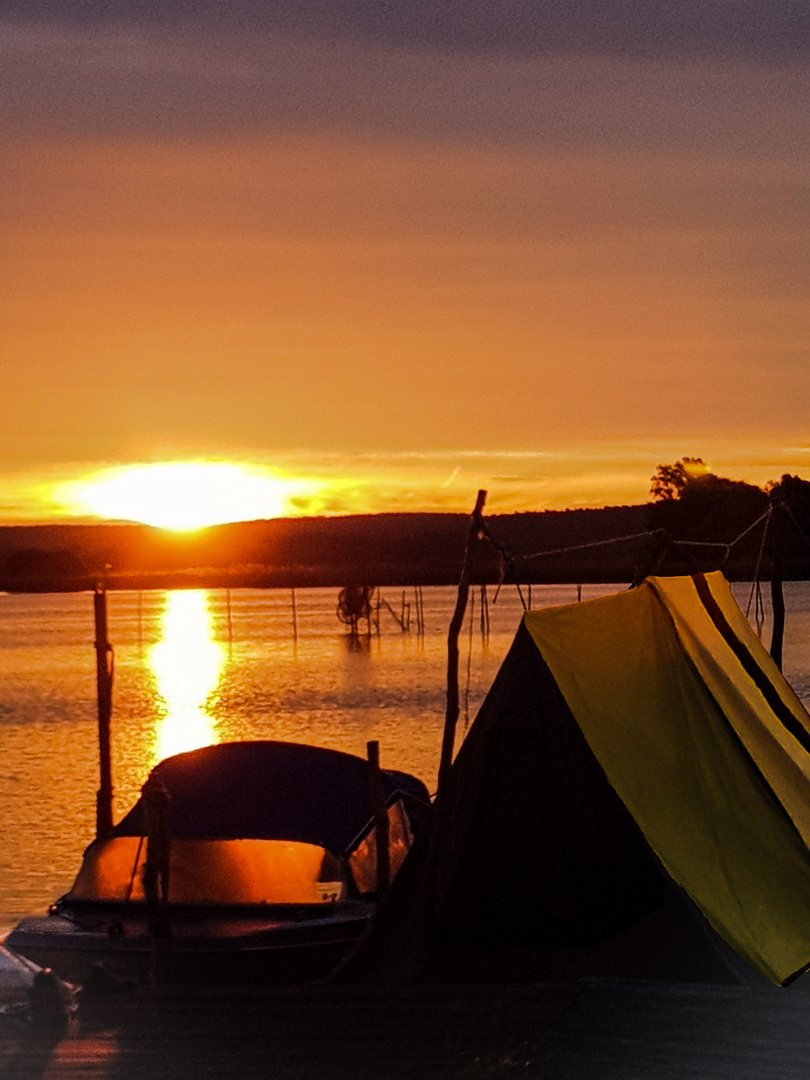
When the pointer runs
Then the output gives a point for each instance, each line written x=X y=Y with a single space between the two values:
x=396 y=252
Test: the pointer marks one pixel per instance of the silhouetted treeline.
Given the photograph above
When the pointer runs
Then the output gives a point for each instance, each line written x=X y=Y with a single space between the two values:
x=696 y=521
x=699 y=520
x=384 y=549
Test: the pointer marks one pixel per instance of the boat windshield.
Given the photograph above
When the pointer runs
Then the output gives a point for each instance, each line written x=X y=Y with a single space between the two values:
x=215 y=872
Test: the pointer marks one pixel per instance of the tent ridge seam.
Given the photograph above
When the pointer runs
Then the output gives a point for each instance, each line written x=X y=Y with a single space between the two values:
x=749 y=664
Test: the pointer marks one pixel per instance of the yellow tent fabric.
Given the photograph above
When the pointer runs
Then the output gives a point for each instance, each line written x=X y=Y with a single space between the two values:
x=668 y=741
x=781 y=758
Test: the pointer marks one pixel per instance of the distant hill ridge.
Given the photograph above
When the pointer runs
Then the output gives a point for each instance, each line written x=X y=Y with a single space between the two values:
x=584 y=545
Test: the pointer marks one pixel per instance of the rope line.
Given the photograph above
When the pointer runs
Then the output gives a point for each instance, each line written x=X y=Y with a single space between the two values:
x=507 y=560
x=755 y=583
x=704 y=543
x=592 y=544
x=792 y=516
x=753 y=525
x=638 y=536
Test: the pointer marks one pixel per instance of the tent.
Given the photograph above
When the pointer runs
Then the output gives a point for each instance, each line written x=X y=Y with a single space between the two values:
x=633 y=799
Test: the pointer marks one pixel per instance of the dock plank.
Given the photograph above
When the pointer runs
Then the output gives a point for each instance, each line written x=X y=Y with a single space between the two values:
x=362 y=1034
x=589 y=1030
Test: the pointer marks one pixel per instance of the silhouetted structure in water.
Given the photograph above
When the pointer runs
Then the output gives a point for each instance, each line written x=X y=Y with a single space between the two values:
x=354 y=604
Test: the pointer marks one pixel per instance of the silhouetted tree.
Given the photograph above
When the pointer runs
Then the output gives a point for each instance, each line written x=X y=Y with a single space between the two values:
x=794 y=493
x=791 y=497
x=694 y=504
x=671 y=481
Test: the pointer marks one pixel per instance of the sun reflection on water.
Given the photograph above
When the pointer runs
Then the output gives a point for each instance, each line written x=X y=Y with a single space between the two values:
x=187 y=663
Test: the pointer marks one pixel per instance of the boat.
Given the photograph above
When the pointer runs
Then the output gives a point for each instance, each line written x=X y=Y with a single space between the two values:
x=16 y=979
x=255 y=861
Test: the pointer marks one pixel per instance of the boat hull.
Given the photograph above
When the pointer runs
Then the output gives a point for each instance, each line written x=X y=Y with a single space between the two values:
x=269 y=948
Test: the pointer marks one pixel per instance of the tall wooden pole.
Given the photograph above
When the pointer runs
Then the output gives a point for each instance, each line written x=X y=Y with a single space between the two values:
x=104 y=683
x=777 y=594
x=451 y=715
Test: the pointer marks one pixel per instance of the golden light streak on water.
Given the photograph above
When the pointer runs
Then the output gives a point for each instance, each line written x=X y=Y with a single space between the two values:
x=187 y=663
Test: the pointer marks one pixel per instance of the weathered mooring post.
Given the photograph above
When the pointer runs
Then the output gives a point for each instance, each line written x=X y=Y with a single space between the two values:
x=451 y=715
x=777 y=593
x=104 y=684
x=420 y=610
x=156 y=869
x=485 y=616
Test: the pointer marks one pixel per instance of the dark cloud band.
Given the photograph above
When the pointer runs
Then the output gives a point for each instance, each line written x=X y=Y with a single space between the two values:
x=769 y=29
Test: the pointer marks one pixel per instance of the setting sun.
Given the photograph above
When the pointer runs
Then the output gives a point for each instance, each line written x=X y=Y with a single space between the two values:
x=181 y=495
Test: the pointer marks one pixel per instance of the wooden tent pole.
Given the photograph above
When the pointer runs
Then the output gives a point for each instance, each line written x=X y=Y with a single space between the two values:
x=104 y=683
x=451 y=715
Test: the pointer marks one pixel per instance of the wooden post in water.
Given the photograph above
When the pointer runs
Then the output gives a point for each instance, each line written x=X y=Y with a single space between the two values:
x=485 y=616
x=777 y=595
x=451 y=714
x=104 y=683
x=294 y=616
x=376 y=797
x=420 y=613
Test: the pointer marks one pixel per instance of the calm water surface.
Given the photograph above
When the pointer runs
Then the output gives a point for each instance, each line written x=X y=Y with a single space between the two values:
x=197 y=667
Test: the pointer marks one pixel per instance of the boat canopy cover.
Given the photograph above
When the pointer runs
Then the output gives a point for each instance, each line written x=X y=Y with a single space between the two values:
x=270 y=791
x=633 y=798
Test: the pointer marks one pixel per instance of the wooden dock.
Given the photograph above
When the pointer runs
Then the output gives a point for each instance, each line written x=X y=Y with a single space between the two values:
x=589 y=1030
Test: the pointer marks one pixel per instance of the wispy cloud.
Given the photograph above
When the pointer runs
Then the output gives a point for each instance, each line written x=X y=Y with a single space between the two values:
x=125 y=78
x=334 y=483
